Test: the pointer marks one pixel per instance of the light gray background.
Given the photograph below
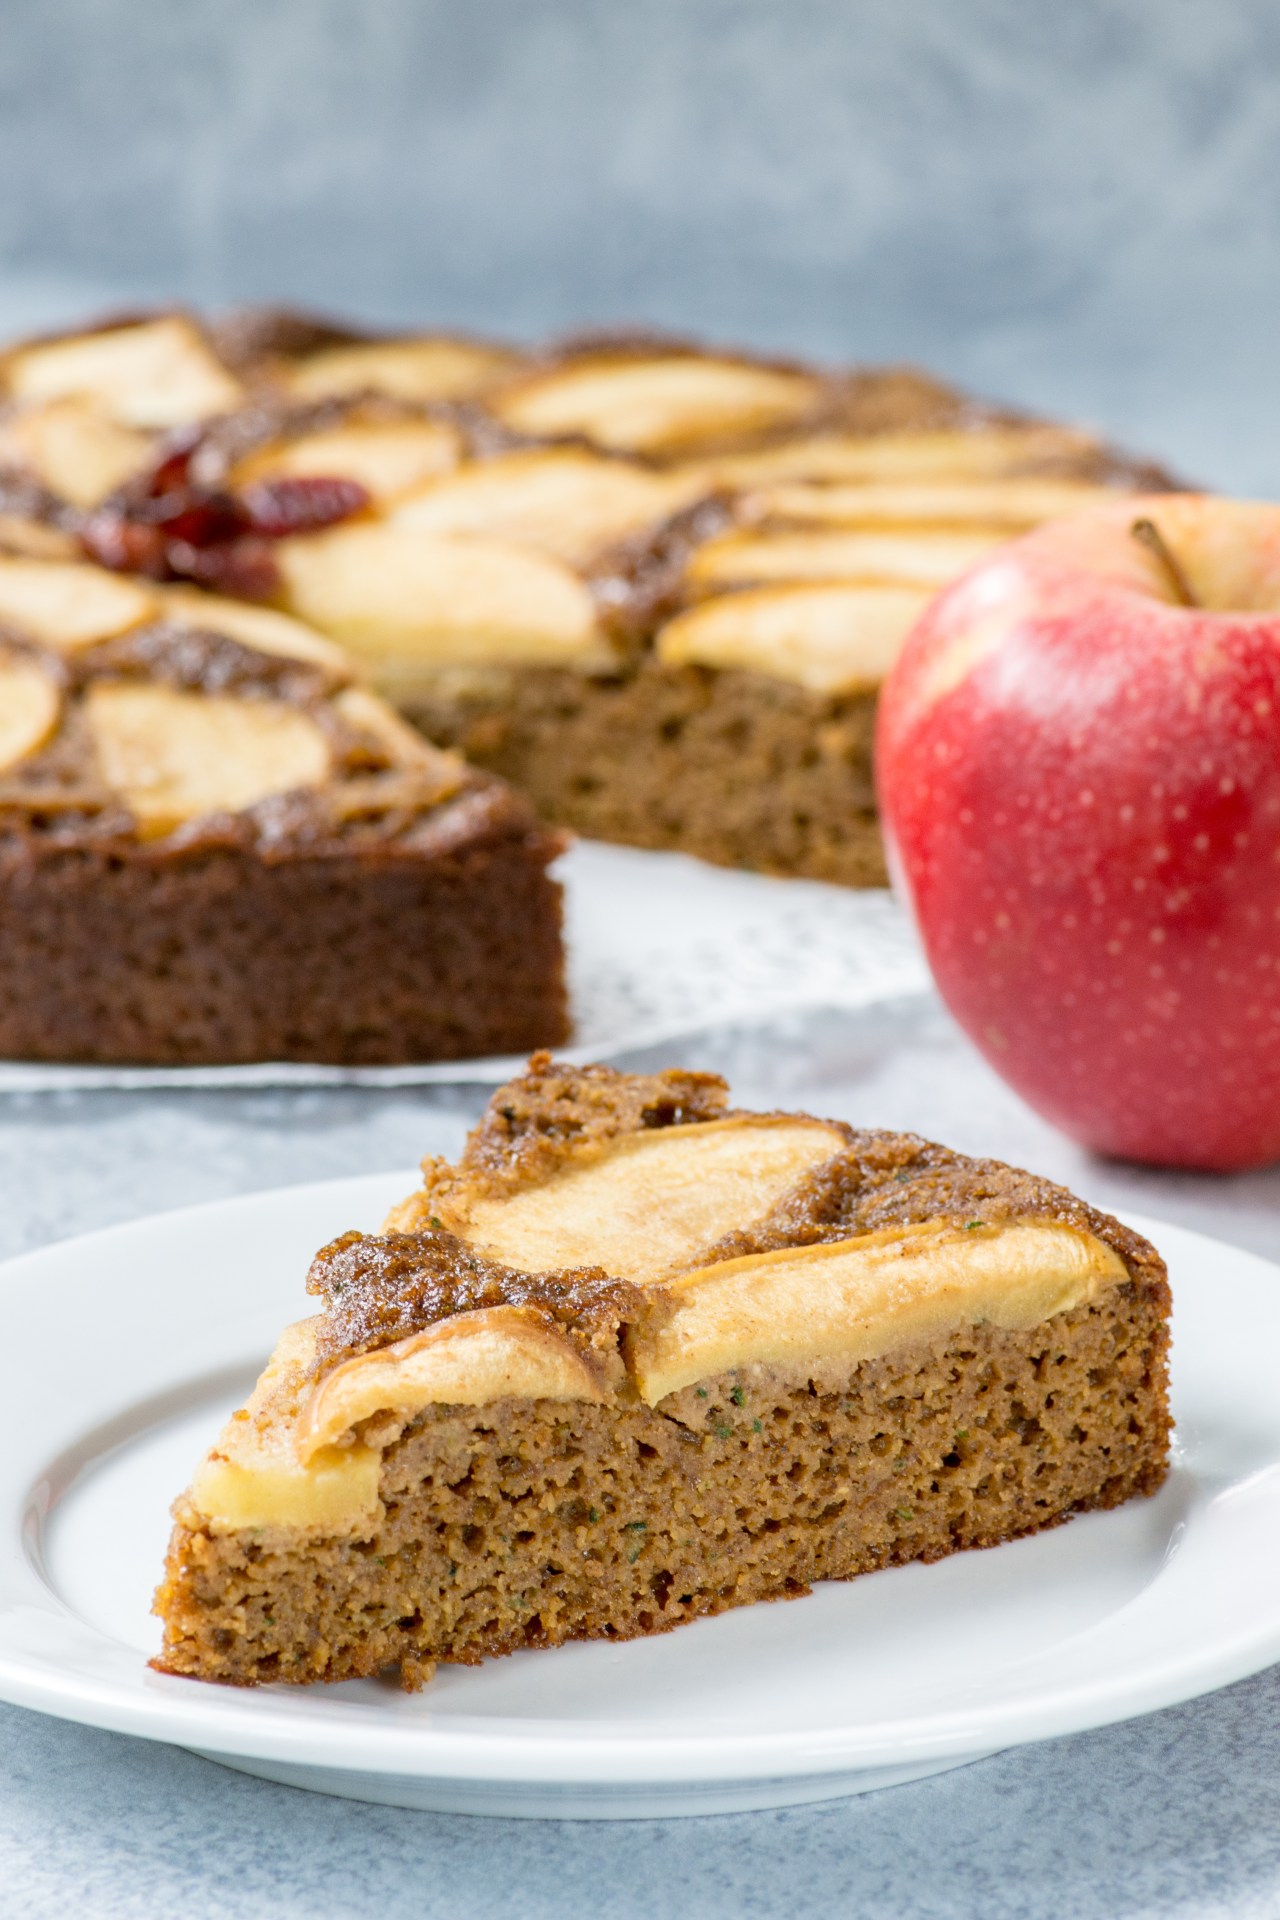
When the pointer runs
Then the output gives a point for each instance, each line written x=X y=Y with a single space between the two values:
x=1075 y=206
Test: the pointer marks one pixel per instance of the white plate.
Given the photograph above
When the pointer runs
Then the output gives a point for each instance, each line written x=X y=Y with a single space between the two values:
x=659 y=945
x=123 y=1351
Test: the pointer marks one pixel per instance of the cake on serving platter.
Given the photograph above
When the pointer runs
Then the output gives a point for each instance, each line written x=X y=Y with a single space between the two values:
x=218 y=845
x=657 y=586
x=639 y=1357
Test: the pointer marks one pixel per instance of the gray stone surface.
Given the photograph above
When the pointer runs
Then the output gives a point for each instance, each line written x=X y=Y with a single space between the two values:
x=1075 y=207
x=1171 y=1815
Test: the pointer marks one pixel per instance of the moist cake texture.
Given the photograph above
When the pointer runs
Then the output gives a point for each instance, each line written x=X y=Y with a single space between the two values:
x=638 y=1357
x=656 y=585
x=217 y=844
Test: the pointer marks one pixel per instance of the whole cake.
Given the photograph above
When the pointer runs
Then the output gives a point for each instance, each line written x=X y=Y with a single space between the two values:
x=217 y=845
x=640 y=1357
x=655 y=585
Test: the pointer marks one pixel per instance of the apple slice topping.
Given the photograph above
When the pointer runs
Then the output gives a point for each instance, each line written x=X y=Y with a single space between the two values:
x=386 y=590
x=433 y=368
x=472 y=1359
x=925 y=558
x=75 y=449
x=252 y=1476
x=656 y=1203
x=29 y=708
x=954 y=454
x=565 y=502
x=854 y=1300
x=404 y=746
x=387 y=458
x=68 y=606
x=1003 y=506
x=656 y=405
x=260 y=627
x=175 y=756
x=33 y=540
x=828 y=638
x=156 y=373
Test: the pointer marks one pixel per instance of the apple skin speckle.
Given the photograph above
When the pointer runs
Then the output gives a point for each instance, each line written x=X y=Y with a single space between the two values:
x=1094 y=857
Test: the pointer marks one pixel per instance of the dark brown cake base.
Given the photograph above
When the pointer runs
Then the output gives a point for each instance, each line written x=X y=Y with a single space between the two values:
x=217 y=955
x=735 y=767
x=525 y=1524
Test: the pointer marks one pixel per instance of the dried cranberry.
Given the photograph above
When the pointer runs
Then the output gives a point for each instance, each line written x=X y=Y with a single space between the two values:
x=301 y=503
x=199 y=519
x=171 y=472
x=245 y=567
x=125 y=545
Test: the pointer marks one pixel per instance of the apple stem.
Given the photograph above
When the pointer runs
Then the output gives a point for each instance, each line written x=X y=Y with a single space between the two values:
x=1148 y=534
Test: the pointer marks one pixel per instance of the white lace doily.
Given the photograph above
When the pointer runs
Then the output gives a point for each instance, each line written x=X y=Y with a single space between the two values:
x=659 y=946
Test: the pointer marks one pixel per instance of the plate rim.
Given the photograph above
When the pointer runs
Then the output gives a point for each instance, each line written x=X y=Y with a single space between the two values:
x=187 y=1713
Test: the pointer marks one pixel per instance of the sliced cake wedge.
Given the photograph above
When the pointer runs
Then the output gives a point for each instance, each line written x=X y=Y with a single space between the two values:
x=639 y=1357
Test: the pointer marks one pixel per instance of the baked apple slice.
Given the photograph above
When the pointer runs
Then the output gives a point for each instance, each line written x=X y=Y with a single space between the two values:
x=564 y=501
x=947 y=454
x=147 y=373
x=828 y=638
x=261 y=627
x=925 y=558
x=387 y=457
x=434 y=367
x=1002 y=506
x=29 y=708
x=175 y=756
x=388 y=591
x=67 y=605
x=656 y=405
x=75 y=449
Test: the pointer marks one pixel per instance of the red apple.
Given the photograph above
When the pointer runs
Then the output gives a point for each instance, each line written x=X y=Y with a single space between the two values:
x=1079 y=767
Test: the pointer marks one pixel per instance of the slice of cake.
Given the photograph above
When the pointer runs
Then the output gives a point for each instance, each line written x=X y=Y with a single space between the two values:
x=655 y=585
x=217 y=845
x=639 y=1357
